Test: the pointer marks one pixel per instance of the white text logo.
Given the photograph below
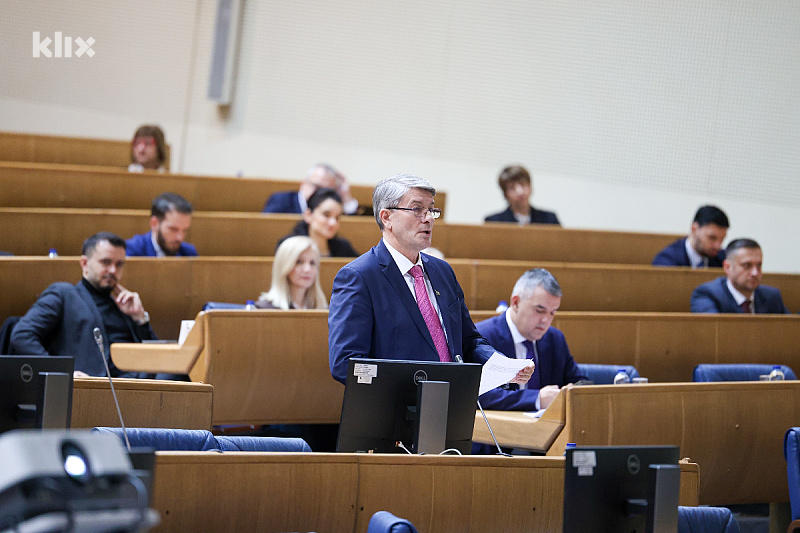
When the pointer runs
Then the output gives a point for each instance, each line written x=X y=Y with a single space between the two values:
x=62 y=46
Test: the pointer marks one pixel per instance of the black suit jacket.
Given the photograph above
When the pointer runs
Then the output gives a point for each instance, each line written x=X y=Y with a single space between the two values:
x=536 y=217
x=62 y=322
x=675 y=255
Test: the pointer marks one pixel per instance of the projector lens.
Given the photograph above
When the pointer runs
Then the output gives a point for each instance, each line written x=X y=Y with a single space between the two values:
x=76 y=465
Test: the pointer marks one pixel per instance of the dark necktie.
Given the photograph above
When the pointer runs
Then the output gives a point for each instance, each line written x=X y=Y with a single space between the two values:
x=747 y=307
x=536 y=381
x=429 y=314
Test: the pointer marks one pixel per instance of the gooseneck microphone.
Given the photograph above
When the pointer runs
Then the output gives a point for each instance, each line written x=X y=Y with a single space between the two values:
x=98 y=338
x=500 y=451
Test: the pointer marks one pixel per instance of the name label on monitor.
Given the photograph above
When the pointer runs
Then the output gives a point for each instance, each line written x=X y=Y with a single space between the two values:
x=584 y=461
x=365 y=372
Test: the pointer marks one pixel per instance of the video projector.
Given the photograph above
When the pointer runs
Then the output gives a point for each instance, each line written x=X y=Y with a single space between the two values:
x=55 y=480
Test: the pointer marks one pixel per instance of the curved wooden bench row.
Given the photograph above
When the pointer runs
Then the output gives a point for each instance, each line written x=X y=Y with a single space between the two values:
x=254 y=234
x=48 y=185
x=33 y=148
x=176 y=288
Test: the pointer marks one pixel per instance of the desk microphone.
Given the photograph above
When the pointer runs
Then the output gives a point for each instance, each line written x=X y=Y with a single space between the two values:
x=500 y=451
x=98 y=338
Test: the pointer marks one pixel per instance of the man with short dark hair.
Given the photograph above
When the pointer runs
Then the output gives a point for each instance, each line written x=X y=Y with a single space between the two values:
x=170 y=220
x=524 y=331
x=63 y=319
x=740 y=290
x=703 y=246
x=515 y=182
x=321 y=176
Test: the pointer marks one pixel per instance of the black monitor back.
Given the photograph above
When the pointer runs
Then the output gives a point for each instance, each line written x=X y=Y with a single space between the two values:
x=377 y=397
x=596 y=497
x=21 y=388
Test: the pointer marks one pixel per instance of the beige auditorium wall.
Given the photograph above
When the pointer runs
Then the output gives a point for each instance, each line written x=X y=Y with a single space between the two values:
x=630 y=114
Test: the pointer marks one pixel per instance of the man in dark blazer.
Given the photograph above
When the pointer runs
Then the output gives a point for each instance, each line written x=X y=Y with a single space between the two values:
x=524 y=330
x=170 y=220
x=378 y=300
x=321 y=176
x=63 y=319
x=515 y=182
x=703 y=246
x=740 y=290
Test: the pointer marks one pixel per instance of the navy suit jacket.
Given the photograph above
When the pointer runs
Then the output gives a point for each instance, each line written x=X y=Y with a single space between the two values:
x=537 y=217
x=62 y=322
x=556 y=365
x=675 y=255
x=283 y=202
x=714 y=297
x=373 y=314
x=142 y=246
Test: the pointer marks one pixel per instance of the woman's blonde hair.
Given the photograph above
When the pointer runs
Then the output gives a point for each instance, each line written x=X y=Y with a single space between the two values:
x=286 y=257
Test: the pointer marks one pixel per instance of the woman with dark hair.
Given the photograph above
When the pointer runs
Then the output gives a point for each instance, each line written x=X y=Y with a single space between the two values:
x=148 y=149
x=321 y=222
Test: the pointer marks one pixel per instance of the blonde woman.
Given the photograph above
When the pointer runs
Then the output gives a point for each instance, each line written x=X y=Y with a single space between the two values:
x=295 y=277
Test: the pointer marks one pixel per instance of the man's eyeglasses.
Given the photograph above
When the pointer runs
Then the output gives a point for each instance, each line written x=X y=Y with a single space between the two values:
x=421 y=212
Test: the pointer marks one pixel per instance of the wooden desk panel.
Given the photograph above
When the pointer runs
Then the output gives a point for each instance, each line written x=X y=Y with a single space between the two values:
x=26 y=147
x=341 y=492
x=144 y=403
x=733 y=431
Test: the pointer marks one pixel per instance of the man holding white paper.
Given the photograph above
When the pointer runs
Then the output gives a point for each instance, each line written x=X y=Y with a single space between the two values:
x=397 y=303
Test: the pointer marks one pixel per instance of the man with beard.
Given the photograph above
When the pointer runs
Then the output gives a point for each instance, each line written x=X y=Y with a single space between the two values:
x=703 y=246
x=63 y=319
x=170 y=219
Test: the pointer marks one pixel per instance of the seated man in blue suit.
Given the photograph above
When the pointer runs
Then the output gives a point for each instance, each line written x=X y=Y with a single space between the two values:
x=63 y=319
x=740 y=289
x=703 y=246
x=394 y=302
x=524 y=332
x=320 y=176
x=170 y=220
x=515 y=182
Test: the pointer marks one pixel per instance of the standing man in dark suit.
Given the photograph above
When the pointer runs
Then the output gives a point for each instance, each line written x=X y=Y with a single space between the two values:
x=740 y=290
x=170 y=220
x=63 y=319
x=320 y=176
x=394 y=302
x=703 y=247
x=515 y=182
x=524 y=332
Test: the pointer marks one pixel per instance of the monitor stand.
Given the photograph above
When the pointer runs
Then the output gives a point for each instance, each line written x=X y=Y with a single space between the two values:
x=430 y=432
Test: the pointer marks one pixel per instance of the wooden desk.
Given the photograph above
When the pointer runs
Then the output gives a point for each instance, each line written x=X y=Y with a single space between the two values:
x=41 y=185
x=28 y=147
x=733 y=431
x=340 y=492
x=266 y=366
x=144 y=403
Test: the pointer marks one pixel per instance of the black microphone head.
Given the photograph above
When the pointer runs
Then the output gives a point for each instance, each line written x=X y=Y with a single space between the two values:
x=98 y=337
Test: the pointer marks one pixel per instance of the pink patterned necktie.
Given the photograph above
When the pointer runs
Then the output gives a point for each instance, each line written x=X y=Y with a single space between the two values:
x=429 y=314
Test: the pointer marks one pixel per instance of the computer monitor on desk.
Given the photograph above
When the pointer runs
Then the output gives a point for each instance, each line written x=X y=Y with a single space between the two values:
x=616 y=489
x=385 y=404
x=35 y=392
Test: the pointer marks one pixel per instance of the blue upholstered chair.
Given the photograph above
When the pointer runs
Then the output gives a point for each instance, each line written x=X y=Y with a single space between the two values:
x=706 y=520
x=604 y=374
x=222 y=305
x=791 y=450
x=200 y=440
x=386 y=522
x=736 y=372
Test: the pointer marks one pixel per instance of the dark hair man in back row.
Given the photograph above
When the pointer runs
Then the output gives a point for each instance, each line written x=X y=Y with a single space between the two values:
x=170 y=220
x=703 y=246
x=62 y=320
x=740 y=289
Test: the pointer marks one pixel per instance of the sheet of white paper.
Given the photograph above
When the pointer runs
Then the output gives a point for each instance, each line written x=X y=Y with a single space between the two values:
x=535 y=414
x=186 y=327
x=499 y=370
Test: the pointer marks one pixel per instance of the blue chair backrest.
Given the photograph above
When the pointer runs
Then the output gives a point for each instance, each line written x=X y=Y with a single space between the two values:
x=736 y=372
x=791 y=450
x=222 y=305
x=604 y=374
x=706 y=520
x=386 y=522
x=200 y=440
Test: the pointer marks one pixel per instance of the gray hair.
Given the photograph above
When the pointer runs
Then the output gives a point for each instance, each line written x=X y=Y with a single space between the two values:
x=536 y=277
x=388 y=192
